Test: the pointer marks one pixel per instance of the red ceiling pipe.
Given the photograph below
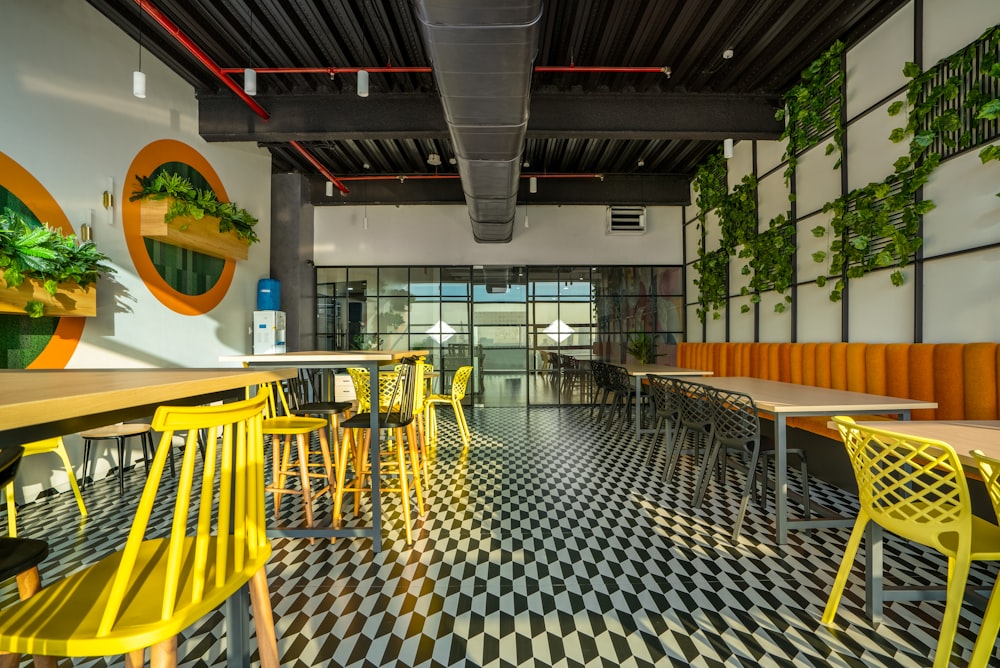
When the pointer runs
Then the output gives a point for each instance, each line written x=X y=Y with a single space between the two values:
x=322 y=170
x=601 y=68
x=407 y=177
x=196 y=51
x=329 y=70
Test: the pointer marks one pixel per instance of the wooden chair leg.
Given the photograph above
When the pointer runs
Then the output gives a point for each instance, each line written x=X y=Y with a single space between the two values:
x=135 y=659
x=164 y=654
x=404 y=487
x=263 y=620
x=415 y=466
x=338 y=495
x=10 y=660
x=303 y=448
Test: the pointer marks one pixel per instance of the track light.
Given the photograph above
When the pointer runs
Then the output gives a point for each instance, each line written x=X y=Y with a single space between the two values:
x=362 y=83
x=727 y=148
x=250 y=81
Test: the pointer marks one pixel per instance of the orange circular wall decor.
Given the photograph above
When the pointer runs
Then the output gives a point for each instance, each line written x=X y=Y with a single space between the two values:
x=151 y=157
x=29 y=190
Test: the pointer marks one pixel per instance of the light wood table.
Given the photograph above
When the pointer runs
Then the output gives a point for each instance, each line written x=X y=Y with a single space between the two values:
x=37 y=404
x=339 y=359
x=781 y=400
x=640 y=371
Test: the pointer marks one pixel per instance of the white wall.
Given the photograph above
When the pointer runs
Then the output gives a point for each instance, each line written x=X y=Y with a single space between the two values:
x=68 y=116
x=415 y=235
x=959 y=301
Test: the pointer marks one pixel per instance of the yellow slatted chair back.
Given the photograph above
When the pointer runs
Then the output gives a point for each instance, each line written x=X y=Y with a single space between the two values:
x=56 y=446
x=168 y=575
x=387 y=384
x=460 y=383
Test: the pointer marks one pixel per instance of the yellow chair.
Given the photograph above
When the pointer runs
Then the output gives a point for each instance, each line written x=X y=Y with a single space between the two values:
x=37 y=448
x=151 y=590
x=982 y=653
x=279 y=421
x=915 y=488
x=458 y=386
x=395 y=416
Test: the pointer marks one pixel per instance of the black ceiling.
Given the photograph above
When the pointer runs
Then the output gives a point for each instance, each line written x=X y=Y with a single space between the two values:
x=635 y=128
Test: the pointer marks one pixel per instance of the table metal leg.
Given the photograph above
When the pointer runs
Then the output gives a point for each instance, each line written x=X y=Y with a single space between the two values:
x=874 y=581
x=638 y=406
x=238 y=629
x=375 y=458
x=780 y=480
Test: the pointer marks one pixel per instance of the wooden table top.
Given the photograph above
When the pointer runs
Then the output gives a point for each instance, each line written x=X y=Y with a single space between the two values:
x=635 y=369
x=776 y=397
x=34 y=397
x=305 y=358
x=963 y=435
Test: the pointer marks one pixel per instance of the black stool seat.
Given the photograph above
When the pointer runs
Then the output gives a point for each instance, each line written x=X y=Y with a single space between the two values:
x=19 y=554
x=324 y=407
x=385 y=421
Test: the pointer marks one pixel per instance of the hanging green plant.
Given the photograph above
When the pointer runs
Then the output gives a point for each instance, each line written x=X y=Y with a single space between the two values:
x=771 y=262
x=710 y=184
x=44 y=254
x=738 y=213
x=813 y=108
x=188 y=201
x=712 y=282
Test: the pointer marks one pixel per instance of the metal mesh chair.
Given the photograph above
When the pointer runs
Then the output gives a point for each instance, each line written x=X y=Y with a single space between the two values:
x=915 y=488
x=982 y=653
x=735 y=427
x=624 y=393
x=666 y=403
x=604 y=389
x=695 y=420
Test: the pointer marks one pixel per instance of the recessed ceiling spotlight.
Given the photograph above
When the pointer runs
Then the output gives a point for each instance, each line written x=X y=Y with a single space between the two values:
x=452 y=161
x=366 y=166
x=434 y=159
x=727 y=54
x=641 y=163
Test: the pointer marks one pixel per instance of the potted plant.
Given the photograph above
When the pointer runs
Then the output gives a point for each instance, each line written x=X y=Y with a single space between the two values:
x=175 y=212
x=641 y=347
x=43 y=272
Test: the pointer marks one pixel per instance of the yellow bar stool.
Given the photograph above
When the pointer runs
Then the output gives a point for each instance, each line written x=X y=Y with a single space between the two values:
x=397 y=390
x=215 y=548
x=280 y=421
x=916 y=488
x=458 y=387
x=38 y=448
x=119 y=433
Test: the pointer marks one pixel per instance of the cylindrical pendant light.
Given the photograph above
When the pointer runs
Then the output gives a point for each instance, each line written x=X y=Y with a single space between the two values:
x=362 y=83
x=250 y=81
x=533 y=184
x=139 y=84
x=727 y=148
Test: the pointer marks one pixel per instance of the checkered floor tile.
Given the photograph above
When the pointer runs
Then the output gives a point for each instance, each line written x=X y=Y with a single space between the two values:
x=550 y=543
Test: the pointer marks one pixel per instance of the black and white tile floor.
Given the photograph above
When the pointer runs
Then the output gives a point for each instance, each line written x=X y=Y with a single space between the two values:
x=547 y=543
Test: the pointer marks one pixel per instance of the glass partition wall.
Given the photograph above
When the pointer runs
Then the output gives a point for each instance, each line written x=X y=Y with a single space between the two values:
x=528 y=332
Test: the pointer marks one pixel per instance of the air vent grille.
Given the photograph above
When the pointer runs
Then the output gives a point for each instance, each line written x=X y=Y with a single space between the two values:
x=626 y=219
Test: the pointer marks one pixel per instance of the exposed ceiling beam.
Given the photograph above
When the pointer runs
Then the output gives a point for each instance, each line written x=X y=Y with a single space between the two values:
x=652 y=189
x=333 y=117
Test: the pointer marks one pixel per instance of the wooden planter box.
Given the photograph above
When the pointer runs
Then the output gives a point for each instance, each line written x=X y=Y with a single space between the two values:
x=71 y=299
x=202 y=235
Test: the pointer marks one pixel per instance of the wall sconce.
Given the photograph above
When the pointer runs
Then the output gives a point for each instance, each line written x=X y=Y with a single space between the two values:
x=86 y=233
x=108 y=200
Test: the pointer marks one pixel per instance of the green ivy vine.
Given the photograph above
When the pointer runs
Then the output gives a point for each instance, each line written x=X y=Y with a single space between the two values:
x=877 y=226
x=712 y=266
x=771 y=256
x=812 y=106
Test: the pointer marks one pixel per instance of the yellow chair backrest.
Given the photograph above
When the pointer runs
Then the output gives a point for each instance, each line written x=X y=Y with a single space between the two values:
x=227 y=542
x=914 y=487
x=387 y=385
x=460 y=382
x=990 y=470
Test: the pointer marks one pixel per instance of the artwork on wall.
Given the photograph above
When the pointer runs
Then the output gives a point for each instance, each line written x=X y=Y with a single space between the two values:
x=184 y=281
x=34 y=343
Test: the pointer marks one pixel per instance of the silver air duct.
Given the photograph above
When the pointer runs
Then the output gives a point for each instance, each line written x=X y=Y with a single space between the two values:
x=482 y=53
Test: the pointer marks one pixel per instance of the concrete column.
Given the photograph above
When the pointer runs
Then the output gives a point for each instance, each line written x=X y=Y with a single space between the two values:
x=292 y=257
